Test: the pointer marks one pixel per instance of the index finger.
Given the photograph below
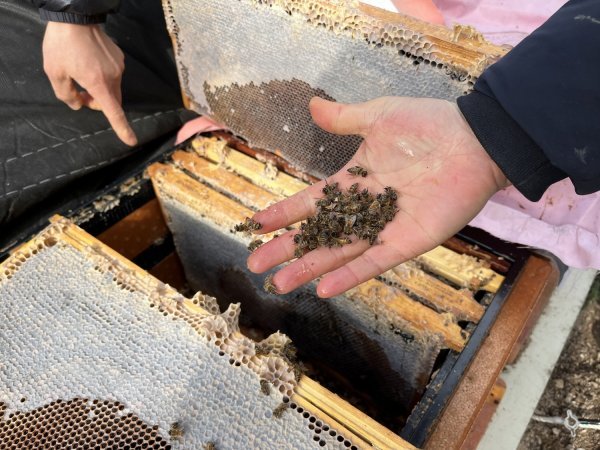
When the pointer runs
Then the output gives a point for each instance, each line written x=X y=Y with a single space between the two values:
x=291 y=210
x=111 y=107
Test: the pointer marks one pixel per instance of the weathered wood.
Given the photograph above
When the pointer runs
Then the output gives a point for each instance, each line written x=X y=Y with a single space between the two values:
x=434 y=292
x=277 y=182
x=535 y=283
x=225 y=181
x=462 y=270
x=352 y=418
x=137 y=231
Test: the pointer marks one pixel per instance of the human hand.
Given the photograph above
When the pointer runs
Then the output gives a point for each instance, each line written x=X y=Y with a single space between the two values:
x=425 y=150
x=85 y=55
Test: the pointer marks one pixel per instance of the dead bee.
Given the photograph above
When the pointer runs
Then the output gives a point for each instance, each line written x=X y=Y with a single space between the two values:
x=374 y=208
x=298 y=252
x=357 y=171
x=278 y=412
x=176 y=431
x=323 y=238
x=289 y=352
x=388 y=213
x=255 y=244
x=247 y=225
x=297 y=373
x=353 y=189
x=391 y=193
x=329 y=189
x=339 y=242
x=269 y=286
x=334 y=227
x=297 y=238
x=349 y=222
x=265 y=387
x=209 y=446
x=323 y=202
x=261 y=349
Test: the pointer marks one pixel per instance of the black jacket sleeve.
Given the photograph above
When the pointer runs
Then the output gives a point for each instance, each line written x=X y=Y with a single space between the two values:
x=81 y=12
x=537 y=110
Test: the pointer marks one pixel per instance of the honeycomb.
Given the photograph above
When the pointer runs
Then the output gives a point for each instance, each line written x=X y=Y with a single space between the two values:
x=261 y=61
x=94 y=353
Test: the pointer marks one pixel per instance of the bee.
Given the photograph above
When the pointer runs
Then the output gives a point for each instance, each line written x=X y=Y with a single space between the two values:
x=388 y=213
x=372 y=238
x=289 y=352
x=349 y=222
x=339 y=242
x=298 y=252
x=209 y=446
x=297 y=238
x=357 y=171
x=391 y=193
x=265 y=387
x=323 y=202
x=269 y=286
x=353 y=189
x=297 y=373
x=323 y=238
x=176 y=431
x=374 y=208
x=255 y=244
x=329 y=189
x=278 y=412
x=261 y=349
x=247 y=225
x=354 y=207
x=335 y=227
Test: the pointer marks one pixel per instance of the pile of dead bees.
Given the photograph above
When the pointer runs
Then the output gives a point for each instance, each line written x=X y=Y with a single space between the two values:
x=345 y=213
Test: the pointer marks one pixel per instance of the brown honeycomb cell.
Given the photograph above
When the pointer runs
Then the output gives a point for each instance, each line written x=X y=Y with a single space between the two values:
x=77 y=423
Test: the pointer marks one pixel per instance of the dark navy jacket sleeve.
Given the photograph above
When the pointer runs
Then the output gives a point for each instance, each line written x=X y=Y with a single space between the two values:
x=82 y=12
x=537 y=110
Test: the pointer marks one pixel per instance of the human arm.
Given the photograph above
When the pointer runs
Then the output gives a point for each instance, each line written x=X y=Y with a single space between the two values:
x=536 y=110
x=77 y=52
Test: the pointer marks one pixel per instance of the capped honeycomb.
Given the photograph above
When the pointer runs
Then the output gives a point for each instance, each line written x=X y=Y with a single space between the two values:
x=95 y=353
x=254 y=65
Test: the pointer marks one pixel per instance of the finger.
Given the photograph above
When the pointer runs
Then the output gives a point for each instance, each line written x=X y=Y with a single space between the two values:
x=273 y=253
x=340 y=118
x=370 y=264
x=316 y=263
x=291 y=210
x=89 y=101
x=111 y=107
x=65 y=91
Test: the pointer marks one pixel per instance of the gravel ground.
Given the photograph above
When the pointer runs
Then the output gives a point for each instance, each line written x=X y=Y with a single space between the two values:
x=574 y=385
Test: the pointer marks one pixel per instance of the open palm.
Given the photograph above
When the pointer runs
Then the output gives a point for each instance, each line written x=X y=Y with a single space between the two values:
x=425 y=150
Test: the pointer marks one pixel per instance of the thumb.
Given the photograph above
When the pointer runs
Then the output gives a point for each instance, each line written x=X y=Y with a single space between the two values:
x=340 y=118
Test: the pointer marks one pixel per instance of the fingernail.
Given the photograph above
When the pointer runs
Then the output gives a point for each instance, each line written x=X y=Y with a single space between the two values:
x=131 y=138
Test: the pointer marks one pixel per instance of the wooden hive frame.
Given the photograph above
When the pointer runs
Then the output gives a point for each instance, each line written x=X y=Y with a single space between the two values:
x=460 y=422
